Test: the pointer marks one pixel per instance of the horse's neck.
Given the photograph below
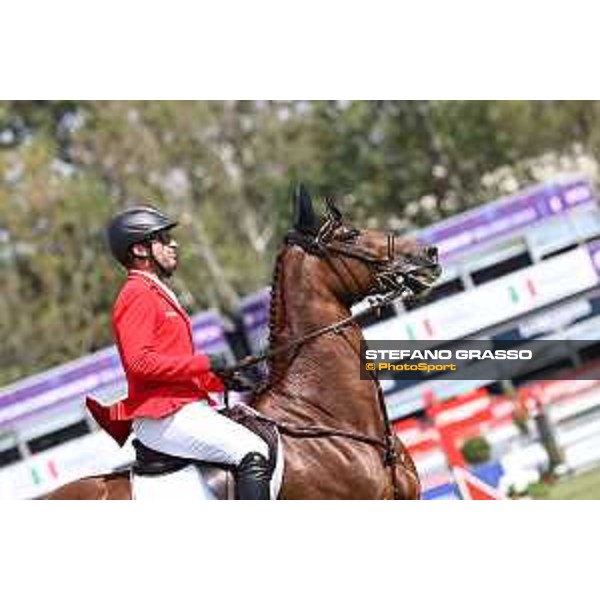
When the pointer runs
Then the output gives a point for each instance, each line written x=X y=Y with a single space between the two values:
x=320 y=380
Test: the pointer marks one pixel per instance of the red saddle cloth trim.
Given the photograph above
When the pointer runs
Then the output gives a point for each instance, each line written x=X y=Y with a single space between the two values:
x=107 y=418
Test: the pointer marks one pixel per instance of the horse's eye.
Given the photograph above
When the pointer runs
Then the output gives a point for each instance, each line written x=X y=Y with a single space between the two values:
x=350 y=235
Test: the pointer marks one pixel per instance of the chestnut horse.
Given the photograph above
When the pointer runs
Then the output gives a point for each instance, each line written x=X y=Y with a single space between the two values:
x=324 y=267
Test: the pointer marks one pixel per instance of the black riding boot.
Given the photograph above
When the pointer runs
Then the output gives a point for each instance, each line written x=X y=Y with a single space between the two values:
x=253 y=478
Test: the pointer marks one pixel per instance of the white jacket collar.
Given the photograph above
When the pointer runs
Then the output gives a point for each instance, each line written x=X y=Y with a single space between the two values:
x=156 y=280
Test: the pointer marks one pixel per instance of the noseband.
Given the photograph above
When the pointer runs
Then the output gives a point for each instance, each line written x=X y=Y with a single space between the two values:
x=393 y=274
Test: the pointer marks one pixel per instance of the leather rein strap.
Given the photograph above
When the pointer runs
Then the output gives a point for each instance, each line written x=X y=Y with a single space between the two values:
x=385 y=280
x=313 y=246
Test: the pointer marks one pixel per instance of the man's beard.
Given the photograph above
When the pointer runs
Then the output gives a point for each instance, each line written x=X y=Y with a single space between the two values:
x=164 y=272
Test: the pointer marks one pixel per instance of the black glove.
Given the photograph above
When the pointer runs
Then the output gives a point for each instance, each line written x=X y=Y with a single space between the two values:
x=218 y=363
x=238 y=382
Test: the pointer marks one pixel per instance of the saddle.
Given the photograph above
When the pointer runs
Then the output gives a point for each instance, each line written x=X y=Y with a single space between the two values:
x=150 y=462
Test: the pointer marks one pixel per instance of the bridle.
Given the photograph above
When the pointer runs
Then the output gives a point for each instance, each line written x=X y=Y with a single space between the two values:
x=394 y=274
x=386 y=285
x=393 y=280
x=386 y=282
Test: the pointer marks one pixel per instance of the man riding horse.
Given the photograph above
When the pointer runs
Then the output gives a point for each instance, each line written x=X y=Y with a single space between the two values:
x=168 y=407
x=335 y=437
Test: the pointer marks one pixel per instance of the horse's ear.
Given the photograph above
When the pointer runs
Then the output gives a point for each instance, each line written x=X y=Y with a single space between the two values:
x=333 y=211
x=305 y=218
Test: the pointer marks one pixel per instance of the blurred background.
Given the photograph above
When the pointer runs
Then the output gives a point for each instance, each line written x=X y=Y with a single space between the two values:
x=505 y=189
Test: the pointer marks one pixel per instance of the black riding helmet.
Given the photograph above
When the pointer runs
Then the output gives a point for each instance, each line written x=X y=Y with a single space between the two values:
x=133 y=226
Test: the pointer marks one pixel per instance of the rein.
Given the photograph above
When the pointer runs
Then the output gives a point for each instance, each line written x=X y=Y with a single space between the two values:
x=336 y=327
x=384 y=280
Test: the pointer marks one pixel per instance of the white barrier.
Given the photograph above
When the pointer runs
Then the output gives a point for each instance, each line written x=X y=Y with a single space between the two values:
x=92 y=454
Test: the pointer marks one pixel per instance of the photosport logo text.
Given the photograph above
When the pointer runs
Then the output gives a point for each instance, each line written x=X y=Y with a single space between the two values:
x=486 y=359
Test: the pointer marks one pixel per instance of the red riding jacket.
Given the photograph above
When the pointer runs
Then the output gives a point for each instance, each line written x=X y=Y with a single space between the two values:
x=154 y=338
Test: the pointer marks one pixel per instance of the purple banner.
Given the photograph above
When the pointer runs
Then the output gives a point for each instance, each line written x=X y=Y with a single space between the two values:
x=208 y=332
x=255 y=311
x=505 y=216
x=61 y=376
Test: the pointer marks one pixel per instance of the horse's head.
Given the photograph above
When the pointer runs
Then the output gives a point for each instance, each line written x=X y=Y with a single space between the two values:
x=356 y=263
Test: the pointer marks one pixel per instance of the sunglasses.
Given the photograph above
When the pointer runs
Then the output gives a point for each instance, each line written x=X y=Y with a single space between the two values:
x=164 y=237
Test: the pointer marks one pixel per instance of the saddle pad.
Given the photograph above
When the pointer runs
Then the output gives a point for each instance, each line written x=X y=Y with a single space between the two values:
x=196 y=483
x=250 y=419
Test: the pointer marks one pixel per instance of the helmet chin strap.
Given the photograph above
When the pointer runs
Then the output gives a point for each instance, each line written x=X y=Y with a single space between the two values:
x=160 y=270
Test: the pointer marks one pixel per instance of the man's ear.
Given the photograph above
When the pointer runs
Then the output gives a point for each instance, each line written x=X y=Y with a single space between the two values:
x=140 y=251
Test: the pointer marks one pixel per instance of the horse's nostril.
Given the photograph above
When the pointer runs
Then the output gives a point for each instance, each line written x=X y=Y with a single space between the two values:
x=432 y=252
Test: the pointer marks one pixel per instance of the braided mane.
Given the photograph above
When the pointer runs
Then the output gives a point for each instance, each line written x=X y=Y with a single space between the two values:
x=276 y=317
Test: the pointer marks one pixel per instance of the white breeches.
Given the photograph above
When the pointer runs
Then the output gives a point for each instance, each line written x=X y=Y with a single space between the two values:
x=200 y=432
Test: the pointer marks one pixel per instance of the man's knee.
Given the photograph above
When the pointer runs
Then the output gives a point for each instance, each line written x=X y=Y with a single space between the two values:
x=256 y=445
x=263 y=449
